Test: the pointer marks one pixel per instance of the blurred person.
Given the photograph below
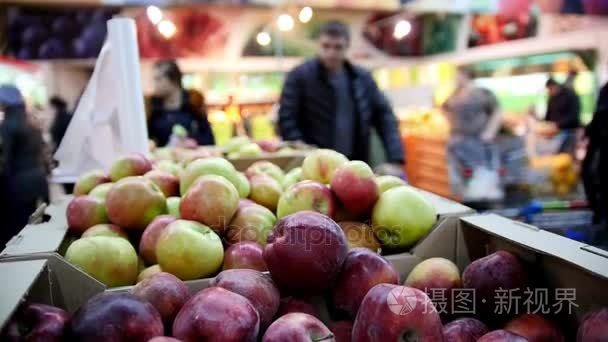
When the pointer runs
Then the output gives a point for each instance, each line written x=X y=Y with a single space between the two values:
x=331 y=103
x=61 y=121
x=475 y=120
x=23 y=169
x=595 y=164
x=172 y=105
x=563 y=110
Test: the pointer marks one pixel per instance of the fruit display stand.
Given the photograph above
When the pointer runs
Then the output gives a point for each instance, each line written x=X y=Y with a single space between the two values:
x=50 y=239
x=50 y=280
x=553 y=261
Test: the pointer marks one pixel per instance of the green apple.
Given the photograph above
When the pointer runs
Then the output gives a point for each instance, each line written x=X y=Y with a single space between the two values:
x=320 y=165
x=173 y=206
x=101 y=190
x=389 y=182
x=148 y=272
x=292 y=177
x=235 y=144
x=244 y=187
x=252 y=222
x=170 y=167
x=251 y=150
x=111 y=260
x=307 y=196
x=189 y=250
x=265 y=191
x=89 y=180
x=401 y=217
x=208 y=166
x=267 y=168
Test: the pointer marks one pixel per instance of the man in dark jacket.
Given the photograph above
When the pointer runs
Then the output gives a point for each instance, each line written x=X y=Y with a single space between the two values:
x=563 y=110
x=595 y=165
x=331 y=103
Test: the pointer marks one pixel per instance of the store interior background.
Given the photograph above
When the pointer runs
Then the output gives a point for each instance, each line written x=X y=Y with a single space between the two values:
x=237 y=56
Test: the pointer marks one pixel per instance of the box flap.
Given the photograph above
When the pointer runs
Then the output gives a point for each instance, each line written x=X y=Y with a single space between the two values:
x=45 y=237
x=17 y=278
x=542 y=241
x=444 y=206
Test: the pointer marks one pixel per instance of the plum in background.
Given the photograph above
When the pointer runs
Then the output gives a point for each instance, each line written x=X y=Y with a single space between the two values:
x=464 y=330
x=53 y=48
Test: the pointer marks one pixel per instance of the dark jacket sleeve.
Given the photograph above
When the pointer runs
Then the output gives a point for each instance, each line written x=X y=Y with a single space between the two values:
x=386 y=125
x=204 y=134
x=289 y=108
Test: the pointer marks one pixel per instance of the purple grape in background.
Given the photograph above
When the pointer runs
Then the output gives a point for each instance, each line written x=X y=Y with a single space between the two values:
x=26 y=53
x=33 y=35
x=53 y=48
x=66 y=27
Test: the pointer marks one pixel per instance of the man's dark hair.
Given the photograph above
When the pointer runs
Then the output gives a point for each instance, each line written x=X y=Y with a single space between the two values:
x=171 y=70
x=58 y=103
x=551 y=82
x=335 y=28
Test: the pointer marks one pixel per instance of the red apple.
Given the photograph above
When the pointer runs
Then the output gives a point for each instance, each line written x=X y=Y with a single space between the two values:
x=438 y=277
x=84 y=212
x=255 y=286
x=147 y=243
x=216 y=314
x=320 y=165
x=464 y=330
x=359 y=235
x=342 y=330
x=305 y=252
x=535 y=328
x=394 y=313
x=168 y=183
x=594 y=326
x=165 y=292
x=306 y=195
x=269 y=145
x=361 y=271
x=502 y=336
x=38 y=322
x=292 y=304
x=246 y=254
x=116 y=317
x=211 y=200
x=297 y=327
x=498 y=271
x=105 y=229
x=164 y=339
x=354 y=183
x=265 y=191
x=133 y=203
x=132 y=165
x=88 y=180
x=251 y=222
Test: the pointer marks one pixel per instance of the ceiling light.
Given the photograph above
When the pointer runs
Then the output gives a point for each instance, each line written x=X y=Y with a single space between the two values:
x=155 y=14
x=285 y=22
x=167 y=28
x=305 y=14
x=402 y=29
x=263 y=38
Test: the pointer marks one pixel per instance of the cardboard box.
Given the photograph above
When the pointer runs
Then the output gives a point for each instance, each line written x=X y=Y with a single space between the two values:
x=50 y=281
x=560 y=263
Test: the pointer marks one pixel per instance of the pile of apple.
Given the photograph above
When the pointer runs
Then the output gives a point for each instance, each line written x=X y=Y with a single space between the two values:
x=316 y=290
x=144 y=218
